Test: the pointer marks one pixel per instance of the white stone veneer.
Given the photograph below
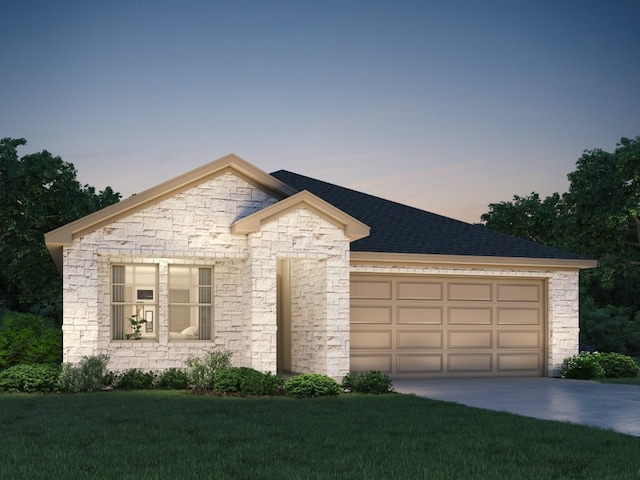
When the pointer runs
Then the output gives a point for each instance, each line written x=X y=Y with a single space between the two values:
x=193 y=228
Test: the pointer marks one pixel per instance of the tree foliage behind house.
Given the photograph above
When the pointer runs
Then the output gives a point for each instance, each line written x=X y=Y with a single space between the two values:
x=38 y=193
x=598 y=217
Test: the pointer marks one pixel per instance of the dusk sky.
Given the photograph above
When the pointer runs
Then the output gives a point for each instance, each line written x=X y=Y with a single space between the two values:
x=443 y=105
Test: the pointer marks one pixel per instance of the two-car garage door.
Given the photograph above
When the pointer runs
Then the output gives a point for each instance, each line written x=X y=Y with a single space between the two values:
x=447 y=326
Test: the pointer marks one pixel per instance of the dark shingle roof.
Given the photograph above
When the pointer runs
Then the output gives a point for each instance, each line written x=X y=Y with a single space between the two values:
x=397 y=228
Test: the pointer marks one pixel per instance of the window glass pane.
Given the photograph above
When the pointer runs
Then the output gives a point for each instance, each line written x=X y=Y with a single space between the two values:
x=204 y=320
x=178 y=295
x=134 y=292
x=117 y=292
x=118 y=274
x=204 y=276
x=178 y=275
x=145 y=275
x=190 y=297
x=118 y=321
x=180 y=318
x=204 y=294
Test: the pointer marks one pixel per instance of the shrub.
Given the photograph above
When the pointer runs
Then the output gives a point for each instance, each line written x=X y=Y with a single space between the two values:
x=583 y=366
x=372 y=381
x=88 y=375
x=247 y=381
x=28 y=338
x=201 y=372
x=134 y=379
x=30 y=378
x=616 y=365
x=609 y=328
x=172 y=379
x=311 y=385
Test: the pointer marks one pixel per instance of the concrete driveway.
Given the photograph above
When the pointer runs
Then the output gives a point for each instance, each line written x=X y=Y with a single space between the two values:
x=609 y=406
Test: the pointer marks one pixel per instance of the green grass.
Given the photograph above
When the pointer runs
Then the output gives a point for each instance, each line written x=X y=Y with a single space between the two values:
x=626 y=380
x=167 y=435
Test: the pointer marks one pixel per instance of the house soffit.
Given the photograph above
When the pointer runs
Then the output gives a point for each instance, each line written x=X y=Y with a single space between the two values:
x=469 y=261
x=352 y=227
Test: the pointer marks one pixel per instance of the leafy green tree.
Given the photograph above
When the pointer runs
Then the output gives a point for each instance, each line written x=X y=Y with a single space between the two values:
x=598 y=217
x=38 y=193
x=529 y=217
x=604 y=203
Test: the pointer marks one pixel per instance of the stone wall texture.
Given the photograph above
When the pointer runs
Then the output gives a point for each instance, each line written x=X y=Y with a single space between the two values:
x=193 y=228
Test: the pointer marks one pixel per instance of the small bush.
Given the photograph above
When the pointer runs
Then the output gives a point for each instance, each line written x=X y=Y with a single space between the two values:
x=172 y=379
x=616 y=365
x=135 y=379
x=372 y=381
x=30 y=378
x=28 y=338
x=88 y=375
x=247 y=381
x=584 y=366
x=311 y=385
x=201 y=372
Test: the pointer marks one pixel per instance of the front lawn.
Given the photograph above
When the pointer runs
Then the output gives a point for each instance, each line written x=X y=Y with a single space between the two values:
x=165 y=435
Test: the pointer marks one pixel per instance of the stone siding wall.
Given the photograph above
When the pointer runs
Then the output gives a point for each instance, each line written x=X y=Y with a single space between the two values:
x=192 y=227
x=320 y=272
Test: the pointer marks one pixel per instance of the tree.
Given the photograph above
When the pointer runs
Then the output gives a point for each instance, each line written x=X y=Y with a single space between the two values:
x=38 y=193
x=529 y=217
x=604 y=202
x=598 y=217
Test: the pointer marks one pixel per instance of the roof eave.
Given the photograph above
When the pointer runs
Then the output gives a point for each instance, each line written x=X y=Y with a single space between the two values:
x=353 y=227
x=65 y=234
x=362 y=258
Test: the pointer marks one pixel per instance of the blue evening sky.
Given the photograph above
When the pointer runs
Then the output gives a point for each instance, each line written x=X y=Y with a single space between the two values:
x=444 y=105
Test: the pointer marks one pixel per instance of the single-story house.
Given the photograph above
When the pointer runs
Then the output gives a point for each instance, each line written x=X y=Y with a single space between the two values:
x=294 y=274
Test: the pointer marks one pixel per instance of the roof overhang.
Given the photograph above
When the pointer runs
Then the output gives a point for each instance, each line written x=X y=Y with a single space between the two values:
x=469 y=261
x=353 y=228
x=58 y=238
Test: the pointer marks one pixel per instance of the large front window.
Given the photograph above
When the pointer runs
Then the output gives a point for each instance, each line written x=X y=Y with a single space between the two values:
x=134 y=302
x=190 y=294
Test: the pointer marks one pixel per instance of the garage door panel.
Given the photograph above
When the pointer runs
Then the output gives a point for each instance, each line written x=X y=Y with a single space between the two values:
x=420 y=315
x=469 y=291
x=469 y=316
x=412 y=364
x=469 y=339
x=420 y=290
x=518 y=293
x=519 y=339
x=411 y=339
x=372 y=315
x=512 y=362
x=368 y=339
x=371 y=289
x=469 y=362
x=363 y=363
x=448 y=326
x=519 y=316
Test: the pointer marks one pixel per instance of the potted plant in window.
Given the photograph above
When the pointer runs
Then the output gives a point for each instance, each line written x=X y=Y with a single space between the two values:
x=136 y=326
